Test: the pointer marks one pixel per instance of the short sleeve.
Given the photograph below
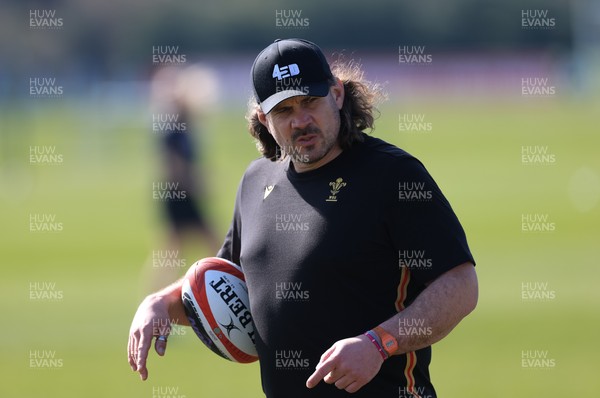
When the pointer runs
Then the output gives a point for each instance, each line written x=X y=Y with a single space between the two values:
x=424 y=229
x=231 y=247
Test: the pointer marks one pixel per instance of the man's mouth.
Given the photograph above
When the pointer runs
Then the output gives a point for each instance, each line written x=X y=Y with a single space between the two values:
x=307 y=140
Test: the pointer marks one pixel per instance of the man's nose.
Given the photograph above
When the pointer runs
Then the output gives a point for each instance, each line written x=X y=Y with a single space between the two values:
x=301 y=119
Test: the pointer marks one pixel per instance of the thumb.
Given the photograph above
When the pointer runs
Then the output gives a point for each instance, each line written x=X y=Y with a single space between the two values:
x=160 y=345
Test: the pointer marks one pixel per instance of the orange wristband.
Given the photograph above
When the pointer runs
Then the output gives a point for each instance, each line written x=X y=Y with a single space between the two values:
x=388 y=342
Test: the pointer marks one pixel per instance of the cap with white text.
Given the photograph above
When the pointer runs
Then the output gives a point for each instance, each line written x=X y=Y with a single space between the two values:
x=289 y=68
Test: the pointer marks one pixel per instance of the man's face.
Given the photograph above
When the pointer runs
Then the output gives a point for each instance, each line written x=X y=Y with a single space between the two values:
x=307 y=128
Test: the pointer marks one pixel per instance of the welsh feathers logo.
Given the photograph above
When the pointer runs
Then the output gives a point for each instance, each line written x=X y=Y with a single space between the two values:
x=336 y=186
x=285 y=71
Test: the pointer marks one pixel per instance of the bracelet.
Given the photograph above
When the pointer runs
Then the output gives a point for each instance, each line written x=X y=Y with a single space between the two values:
x=376 y=344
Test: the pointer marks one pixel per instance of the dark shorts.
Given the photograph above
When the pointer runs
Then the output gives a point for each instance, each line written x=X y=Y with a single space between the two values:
x=184 y=213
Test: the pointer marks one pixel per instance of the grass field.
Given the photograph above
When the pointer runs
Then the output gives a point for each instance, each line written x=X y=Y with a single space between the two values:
x=101 y=194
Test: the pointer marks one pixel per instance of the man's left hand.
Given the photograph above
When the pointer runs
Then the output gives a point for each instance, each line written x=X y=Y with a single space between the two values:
x=349 y=363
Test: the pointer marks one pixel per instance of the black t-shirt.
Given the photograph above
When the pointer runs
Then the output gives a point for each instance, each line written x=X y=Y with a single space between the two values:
x=333 y=252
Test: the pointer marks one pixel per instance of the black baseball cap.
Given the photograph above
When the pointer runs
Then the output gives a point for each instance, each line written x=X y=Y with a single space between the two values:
x=288 y=68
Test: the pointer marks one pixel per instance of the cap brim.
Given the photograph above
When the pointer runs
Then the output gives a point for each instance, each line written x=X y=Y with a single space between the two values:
x=310 y=90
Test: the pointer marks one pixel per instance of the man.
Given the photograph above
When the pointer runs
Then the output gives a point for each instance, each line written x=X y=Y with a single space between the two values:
x=354 y=260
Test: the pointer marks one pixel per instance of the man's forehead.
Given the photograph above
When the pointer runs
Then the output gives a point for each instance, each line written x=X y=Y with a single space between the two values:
x=294 y=101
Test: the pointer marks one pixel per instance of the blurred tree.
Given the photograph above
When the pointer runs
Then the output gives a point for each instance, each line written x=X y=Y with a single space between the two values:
x=110 y=37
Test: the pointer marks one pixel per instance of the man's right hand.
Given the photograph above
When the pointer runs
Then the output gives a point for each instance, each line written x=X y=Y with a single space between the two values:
x=151 y=320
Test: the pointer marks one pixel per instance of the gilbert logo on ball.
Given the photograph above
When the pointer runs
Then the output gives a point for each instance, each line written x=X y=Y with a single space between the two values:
x=215 y=298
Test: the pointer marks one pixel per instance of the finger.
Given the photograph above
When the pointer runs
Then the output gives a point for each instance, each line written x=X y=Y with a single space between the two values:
x=323 y=368
x=130 y=354
x=142 y=354
x=160 y=345
x=134 y=349
x=326 y=355
x=344 y=382
x=354 y=387
x=143 y=374
x=332 y=377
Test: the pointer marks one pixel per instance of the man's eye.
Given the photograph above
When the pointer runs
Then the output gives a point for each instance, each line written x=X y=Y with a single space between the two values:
x=281 y=110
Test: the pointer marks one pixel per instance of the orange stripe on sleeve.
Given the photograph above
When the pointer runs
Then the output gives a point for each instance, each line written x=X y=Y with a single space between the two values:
x=402 y=287
x=411 y=357
x=411 y=363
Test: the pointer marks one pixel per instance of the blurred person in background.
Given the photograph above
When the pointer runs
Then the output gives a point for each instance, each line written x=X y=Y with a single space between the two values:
x=179 y=97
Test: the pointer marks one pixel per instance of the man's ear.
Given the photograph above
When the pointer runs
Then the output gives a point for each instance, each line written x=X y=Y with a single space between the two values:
x=337 y=91
x=262 y=118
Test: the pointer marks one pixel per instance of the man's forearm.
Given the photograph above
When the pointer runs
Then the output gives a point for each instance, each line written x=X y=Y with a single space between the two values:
x=436 y=311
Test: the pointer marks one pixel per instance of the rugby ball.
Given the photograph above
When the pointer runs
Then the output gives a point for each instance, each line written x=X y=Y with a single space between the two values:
x=215 y=298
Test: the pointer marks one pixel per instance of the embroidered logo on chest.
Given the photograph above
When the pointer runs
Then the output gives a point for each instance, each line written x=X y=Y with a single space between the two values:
x=336 y=186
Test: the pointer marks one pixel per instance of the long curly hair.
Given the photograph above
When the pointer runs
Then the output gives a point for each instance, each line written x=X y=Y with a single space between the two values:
x=356 y=115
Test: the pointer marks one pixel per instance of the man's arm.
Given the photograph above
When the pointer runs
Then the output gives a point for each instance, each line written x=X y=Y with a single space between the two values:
x=352 y=363
x=153 y=317
x=436 y=311
x=158 y=310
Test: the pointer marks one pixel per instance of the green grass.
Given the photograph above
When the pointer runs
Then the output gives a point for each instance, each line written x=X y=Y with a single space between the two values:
x=102 y=195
